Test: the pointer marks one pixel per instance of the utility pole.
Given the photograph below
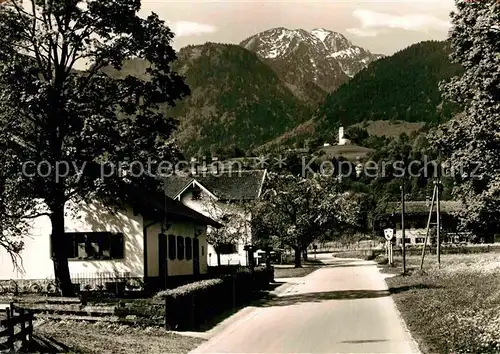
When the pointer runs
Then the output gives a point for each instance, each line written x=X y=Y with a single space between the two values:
x=438 y=223
x=403 y=241
x=428 y=226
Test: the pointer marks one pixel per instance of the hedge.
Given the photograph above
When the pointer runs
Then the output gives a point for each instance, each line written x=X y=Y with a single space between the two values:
x=192 y=305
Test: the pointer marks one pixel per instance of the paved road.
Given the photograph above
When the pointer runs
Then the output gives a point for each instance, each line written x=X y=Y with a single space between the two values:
x=342 y=308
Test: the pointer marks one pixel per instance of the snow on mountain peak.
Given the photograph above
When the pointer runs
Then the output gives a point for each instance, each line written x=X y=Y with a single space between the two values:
x=325 y=56
x=320 y=33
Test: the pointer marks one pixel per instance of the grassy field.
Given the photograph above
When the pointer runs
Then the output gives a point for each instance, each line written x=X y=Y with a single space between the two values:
x=390 y=129
x=454 y=308
x=87 y=338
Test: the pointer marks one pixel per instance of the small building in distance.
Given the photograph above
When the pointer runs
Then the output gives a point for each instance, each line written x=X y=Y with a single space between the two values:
x=343 y=138
x=416 y=217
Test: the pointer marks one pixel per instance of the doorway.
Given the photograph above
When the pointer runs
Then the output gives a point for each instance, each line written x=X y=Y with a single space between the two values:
x=162 y=261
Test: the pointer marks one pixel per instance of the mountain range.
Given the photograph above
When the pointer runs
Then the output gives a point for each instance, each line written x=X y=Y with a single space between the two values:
x=283 y=87
x=402 y=87
x=311 y=63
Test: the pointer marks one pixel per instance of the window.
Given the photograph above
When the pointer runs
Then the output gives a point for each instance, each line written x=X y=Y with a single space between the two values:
x=226 y=248
x=95 y=245
x=180 y=248
x=202 y=250
x=171 y=247
x=189 y=248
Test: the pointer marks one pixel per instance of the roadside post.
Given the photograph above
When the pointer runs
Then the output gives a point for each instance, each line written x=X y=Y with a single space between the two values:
x=389 y=235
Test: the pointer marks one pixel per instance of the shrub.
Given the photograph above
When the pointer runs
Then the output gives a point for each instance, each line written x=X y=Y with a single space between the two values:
x=193 y=304
x=381 y=259
x=190 y=288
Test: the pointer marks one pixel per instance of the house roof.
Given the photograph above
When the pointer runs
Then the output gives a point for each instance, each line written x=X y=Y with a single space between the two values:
x=175 y=184
x=158 y=205
x=423 y=207
x=229 y=185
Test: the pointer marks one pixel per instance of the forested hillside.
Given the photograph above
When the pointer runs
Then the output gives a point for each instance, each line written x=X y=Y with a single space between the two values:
x=404 y=86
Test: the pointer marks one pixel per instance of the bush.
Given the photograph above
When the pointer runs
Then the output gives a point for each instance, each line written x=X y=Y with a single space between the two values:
x=381 y=259
x=189 y=288
x=191 y=305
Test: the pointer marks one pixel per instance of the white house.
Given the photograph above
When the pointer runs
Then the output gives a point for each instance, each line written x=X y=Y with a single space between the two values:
x=152 y=242
x=416 y=218
x=224 y=190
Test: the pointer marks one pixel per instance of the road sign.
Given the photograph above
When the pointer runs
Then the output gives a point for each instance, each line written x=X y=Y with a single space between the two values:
x=389 y=234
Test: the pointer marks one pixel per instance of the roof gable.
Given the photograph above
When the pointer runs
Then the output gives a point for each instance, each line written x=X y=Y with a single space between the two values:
x=230 y=185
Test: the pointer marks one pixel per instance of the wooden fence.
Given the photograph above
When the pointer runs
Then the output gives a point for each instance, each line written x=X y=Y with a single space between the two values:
x=15 y=326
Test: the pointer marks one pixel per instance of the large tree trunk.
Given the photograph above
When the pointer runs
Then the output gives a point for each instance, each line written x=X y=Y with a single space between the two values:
x=298 y=257
x=60 y=252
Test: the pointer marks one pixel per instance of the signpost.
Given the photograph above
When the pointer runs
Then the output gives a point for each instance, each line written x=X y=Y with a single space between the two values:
x=389 y=236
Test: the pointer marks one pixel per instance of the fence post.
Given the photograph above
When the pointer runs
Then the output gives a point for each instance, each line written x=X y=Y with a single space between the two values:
x=10 y=329
x=30 y=323
x=23 y=328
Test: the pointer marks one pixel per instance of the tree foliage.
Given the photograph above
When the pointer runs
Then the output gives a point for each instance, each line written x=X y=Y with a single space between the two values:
x=296 y=211
x=52 y=112
x=471 y=142
x=404 y=86
x=234 y=220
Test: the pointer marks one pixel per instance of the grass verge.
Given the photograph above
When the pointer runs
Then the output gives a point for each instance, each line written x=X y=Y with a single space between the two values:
x=87 y=338
x=453 y=309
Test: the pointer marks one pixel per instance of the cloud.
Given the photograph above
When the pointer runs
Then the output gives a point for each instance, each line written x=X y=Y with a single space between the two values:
x=360 y=32
x=185 y=28
x=372 y=23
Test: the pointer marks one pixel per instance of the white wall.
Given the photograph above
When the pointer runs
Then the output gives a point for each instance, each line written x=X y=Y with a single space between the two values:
x=202 y=207
x=175 y=267
x=152 y=244
x=412 y=234
x=93 y=217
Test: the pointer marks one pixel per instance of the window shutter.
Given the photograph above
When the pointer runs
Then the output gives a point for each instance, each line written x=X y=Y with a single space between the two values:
x=189 y=248
x=117 y=246
x=180 y=248
x=171 y=247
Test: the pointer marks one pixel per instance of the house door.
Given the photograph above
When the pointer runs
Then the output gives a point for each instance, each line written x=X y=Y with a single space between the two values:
x=162 y=259
x=196 y=256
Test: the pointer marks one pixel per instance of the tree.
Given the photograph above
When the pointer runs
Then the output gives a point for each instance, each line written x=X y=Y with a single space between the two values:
x=93 y=119
x=299 y=210
x=357 y=135
x=470 y=143
x=14 y=212
x=232 y=217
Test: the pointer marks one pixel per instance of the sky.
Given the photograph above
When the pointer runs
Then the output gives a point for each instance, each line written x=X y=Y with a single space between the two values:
x=380 y=26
